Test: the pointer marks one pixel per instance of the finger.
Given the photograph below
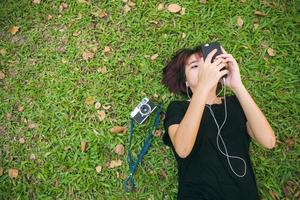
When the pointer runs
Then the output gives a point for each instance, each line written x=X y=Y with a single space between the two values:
x=218 y=61
x=223 y=50
x=224 y=55
x=210 y=55
x=221 y=66
x=223 y=72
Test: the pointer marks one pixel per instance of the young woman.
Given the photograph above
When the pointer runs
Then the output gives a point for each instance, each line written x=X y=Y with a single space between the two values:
x=210 y=135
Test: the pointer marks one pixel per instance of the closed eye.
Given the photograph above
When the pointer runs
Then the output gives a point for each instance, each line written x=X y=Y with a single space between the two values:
x=194 y=66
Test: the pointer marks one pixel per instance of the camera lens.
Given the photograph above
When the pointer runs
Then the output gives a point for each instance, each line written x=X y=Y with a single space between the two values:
x=145 y=109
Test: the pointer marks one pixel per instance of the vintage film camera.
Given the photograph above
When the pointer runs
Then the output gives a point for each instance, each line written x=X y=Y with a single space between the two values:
x=143 y=110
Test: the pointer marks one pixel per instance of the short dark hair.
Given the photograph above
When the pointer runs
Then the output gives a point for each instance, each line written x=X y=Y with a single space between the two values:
x=174 y=72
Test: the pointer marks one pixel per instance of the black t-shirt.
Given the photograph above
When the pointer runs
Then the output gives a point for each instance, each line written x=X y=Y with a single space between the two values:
x=205 y=173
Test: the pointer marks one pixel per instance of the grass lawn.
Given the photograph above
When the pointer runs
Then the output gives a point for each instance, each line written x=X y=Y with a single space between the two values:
x=64 y=64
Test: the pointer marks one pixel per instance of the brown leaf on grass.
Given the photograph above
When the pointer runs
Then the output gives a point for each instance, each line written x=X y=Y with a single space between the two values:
x=3 y=52
x=8 y=116
x=101 y=115
x=202 y=1
x=21 y=140
x=36 y=1
x=240 y=21
x=119 y=149
x=274 y=195
x=131 y=4
x=290 y=142
x=32 y=157
x=102 y=70
x=264 y=44
x=83 y=1
x=13 y=30
x=100 y=13
x=106 y=50
x=63 y=6
x=255 y=26
x=97 y=105
x=2 y=130
x=1 y=171
x=183 y=35
x=266 y=3
x=88 y=55
x=157 y=133
x=174 y=8
x=32 y=126
x=2 y=75
x=98 y=169
x=76 y=33
x=20 y=108
x=261 y=14
x=271 y=52
x=13 y=173
x=83 y=146
x=49 y=17
x=182 y=12
x=119 y=129
x=160 y=7
x=89 y=101
x=162 y=175
x=126 y=8
x=115 y=163
x=154 y=56
x=106 y=107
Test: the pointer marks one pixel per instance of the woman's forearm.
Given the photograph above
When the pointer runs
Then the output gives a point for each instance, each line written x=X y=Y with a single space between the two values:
x=260 y=127
x=187 y=131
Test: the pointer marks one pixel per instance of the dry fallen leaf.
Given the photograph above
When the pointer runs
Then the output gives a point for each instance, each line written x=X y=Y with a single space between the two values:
x=203 y=1
x=157 y=133
x=271 y=52
x=2 y=75
x=174 y=8
x=240 y=22
x=36 y=1
x=106 y=50
x=89 y=101
x=255 y=26
x=274 y=195
x=106 y=107
x=98 y=169
x=102 y=70
x=88 y=55
x=259 y=13
x=119 y=149
x=160 y=7
x=264 y=44
x=63 y=6
x=83 y=1
x=3 y=52
x=115 y=163
x=1 y=171
x=13 y=30
x=97 y=105
x=76 y=33
x=49 y=17
x=21 y=140
x=83 y=146
x=32 y=156
x=182 y=12
x=154 y=56
x=119 y=129
x=21 y=108
x=131 y=4
x=32 y=126
x=101 y=115
x=126 y=8
x=13 y=173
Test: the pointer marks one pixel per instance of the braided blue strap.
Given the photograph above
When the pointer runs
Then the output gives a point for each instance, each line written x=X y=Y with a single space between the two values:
x=129 y=182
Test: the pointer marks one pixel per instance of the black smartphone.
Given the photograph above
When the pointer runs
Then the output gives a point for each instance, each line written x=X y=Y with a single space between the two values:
x=207 y=48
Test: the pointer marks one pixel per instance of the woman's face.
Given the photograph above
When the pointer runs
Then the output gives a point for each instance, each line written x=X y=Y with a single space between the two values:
x=192 y=67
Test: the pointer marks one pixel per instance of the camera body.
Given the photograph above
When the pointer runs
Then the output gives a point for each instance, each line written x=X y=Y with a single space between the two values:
x=143 y=110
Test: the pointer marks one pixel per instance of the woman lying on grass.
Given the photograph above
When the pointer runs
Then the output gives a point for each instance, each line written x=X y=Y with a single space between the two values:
x=210 y=135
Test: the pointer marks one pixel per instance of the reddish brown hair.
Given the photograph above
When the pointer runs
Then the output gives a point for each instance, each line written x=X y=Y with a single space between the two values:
x=174 y=72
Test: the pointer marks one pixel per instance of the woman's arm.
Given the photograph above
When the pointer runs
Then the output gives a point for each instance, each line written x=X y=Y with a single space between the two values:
x=183 y=135
x=258 y=127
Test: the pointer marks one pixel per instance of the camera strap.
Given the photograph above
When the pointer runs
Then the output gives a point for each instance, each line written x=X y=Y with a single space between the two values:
x=129 y=182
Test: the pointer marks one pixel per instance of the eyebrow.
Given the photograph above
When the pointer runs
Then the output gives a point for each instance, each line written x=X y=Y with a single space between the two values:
x=192 y=62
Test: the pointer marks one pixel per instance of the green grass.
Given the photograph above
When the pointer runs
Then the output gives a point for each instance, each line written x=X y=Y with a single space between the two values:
x=53 y=92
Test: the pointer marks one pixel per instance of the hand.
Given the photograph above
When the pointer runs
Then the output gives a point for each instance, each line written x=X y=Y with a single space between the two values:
x=209 y=74
x=233 y=79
